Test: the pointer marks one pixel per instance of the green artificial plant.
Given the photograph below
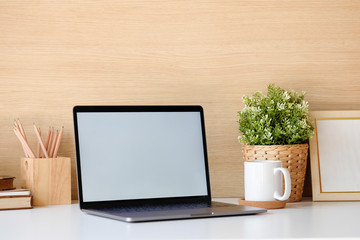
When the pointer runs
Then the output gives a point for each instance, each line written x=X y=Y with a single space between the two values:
x=278 y=118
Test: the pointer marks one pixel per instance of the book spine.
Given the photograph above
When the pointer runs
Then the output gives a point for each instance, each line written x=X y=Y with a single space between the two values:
x=15 y=208
x=6 y=184
x=15 y=196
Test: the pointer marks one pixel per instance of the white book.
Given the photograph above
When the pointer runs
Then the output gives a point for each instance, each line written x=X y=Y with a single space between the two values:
x=15 y=192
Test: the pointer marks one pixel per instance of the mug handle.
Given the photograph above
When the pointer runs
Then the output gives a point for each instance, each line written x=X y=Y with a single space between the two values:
x=287 y=178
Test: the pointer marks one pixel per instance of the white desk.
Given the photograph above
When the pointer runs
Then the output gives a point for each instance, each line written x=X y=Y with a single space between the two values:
x=305 y=219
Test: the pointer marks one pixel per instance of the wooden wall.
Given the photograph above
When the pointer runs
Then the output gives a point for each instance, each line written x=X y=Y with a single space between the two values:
x=55 y=54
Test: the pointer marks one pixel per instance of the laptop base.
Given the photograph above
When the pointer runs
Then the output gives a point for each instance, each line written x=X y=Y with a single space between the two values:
x=216 y=210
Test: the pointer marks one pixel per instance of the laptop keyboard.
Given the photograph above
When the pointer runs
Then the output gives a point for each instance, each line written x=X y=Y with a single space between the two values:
x=149 y=208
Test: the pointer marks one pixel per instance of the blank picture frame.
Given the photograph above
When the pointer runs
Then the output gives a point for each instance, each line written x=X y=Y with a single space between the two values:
x=335 y=155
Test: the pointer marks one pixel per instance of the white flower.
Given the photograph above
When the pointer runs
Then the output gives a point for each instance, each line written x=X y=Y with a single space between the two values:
x=268 y=134
x=298 y=106
x=286 y=95
x=280 y=106
x=303 y=123
x=305 y=105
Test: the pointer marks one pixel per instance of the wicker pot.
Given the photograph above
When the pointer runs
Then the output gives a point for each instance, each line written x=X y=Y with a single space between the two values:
x=293 y=157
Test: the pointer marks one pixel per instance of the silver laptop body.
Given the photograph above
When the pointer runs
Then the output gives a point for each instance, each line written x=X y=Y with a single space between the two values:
x=145 y=163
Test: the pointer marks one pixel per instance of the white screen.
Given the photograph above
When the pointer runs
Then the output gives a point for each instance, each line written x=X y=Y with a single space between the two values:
x=139 y=155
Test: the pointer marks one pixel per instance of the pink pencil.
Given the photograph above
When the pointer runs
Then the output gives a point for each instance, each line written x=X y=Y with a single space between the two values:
x=38 y=145
x=58 y=142
x=51 y=153
x=22 y=145
x=27 y=148
x=47 y=138
x=40 y=141
x=21 y=129
x=48 y=147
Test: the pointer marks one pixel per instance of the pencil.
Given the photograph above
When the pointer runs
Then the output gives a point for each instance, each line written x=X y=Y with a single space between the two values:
x=38 y=145
x=40 y=141
x=22 y=145
x=53 y=144
x=21 y=129
x=50 y=137
x=47 y=138
x=58 y=142
x=26 y=147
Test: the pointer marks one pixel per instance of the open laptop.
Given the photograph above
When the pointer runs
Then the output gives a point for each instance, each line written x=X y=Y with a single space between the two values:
x=145 y=163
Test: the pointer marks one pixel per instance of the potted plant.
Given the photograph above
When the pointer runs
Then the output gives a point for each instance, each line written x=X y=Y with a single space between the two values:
x=276 y=126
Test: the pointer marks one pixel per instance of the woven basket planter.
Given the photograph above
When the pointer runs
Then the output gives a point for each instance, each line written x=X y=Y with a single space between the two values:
x=293 y=157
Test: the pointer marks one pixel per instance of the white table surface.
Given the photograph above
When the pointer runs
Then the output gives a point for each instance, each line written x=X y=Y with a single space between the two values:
x=304 y=219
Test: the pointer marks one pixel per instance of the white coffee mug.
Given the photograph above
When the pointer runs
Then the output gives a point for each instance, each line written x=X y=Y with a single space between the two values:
x=263 y=181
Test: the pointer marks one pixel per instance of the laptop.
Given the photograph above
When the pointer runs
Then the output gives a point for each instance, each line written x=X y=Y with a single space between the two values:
x=145 y=163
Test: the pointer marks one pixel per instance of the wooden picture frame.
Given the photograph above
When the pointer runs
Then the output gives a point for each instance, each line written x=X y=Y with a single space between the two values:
x=335 y=155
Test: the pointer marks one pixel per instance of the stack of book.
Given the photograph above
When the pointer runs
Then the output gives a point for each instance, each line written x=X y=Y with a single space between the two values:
x=12 y=198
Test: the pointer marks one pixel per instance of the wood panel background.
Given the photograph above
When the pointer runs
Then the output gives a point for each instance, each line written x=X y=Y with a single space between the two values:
x=56 y=54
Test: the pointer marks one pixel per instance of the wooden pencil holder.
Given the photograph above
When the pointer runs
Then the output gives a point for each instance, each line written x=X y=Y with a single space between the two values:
x=49 y=180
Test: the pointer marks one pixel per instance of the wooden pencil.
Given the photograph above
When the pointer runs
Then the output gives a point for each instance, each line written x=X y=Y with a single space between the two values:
x=47 y=138
x=51 y=153
x=38 y=151
x=21 y=129
x=26 y=146
x=40 y=141
x=22 y=145
x=50 y=140
x=58 y=142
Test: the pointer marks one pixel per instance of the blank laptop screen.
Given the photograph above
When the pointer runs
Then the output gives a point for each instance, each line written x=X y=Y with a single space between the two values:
x=141 y=155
